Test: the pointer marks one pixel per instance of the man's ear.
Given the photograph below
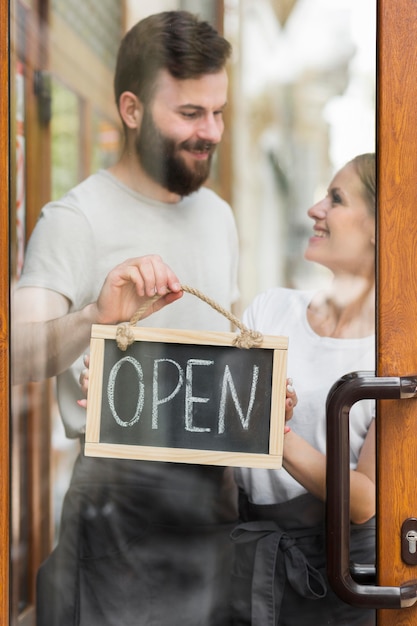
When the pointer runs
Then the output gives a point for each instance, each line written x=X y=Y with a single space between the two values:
x=130 y=109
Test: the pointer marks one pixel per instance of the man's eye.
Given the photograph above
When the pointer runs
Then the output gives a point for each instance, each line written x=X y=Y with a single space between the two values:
x=189 y=116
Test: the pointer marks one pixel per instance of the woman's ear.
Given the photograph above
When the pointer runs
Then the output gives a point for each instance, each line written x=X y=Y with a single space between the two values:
x=130 y=109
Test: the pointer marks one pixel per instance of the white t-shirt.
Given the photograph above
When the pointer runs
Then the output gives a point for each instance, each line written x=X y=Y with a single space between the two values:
x=101 y=223
x=314 y=364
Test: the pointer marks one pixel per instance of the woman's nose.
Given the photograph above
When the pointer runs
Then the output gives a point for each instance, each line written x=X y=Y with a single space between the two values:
x=318 y=210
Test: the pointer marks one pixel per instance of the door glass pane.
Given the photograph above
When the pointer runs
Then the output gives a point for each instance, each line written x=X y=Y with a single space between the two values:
x=65 y=140
x=106 y=142
x=300 y=105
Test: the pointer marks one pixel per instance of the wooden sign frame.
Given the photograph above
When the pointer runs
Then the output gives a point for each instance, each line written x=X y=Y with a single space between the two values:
x=272 y=459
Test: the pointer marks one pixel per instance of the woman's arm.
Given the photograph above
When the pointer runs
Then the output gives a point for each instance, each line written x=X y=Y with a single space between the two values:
x=308 y=467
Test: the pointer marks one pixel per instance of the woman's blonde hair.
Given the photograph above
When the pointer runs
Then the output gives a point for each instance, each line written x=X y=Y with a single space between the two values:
x=366 y=170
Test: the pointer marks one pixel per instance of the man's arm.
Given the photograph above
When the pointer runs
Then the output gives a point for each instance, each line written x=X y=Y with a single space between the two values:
x=47 y=338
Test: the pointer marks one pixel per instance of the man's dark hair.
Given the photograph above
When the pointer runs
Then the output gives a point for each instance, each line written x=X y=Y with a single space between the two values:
x=173 y=40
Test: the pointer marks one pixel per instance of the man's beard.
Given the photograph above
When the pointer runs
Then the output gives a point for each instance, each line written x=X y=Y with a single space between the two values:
x=160 y=157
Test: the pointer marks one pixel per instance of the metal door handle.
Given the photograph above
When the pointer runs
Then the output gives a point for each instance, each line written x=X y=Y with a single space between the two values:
x=342 y=396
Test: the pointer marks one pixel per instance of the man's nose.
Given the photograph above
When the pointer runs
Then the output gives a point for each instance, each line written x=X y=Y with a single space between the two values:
x=211 y=128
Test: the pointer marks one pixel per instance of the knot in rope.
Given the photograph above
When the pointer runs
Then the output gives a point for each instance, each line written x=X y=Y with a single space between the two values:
x=124 y=335
x=248 y=339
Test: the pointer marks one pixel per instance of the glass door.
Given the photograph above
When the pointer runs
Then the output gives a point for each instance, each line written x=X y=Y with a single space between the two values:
x=301 y=103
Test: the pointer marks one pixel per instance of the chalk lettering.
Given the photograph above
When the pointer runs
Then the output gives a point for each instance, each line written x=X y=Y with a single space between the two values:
x=156 y=401
x=190 y=399
x=228 y=382
x=227 y=390
x=110 y=391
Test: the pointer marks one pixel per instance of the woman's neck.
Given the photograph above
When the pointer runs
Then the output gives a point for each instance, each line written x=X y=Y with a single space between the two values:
x=346 y=310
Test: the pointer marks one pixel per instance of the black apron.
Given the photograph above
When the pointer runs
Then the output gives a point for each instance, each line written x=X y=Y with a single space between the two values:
x=279 y=576
x=141 y=544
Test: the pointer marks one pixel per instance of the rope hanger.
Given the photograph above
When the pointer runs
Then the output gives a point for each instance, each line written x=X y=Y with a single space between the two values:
x=246 y=339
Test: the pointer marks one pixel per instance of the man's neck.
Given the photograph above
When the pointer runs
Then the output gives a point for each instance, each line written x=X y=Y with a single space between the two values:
x=130 y=172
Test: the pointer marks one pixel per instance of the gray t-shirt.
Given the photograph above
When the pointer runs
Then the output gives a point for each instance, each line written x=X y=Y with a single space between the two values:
x=101 y=223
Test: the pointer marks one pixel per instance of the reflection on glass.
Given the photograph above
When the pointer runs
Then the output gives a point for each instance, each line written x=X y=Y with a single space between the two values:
x=300 y=105
x=106 y=141
x=65 y=140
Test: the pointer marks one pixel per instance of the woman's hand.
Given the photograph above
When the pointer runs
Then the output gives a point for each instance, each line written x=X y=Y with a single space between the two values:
x=84 y=378
x=290 y=402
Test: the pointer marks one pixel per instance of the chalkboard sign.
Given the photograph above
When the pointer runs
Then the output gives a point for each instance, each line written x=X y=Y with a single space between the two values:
x=186 y=396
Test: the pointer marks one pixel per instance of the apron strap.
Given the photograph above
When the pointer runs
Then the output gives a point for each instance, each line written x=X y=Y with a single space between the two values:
x=277 y=559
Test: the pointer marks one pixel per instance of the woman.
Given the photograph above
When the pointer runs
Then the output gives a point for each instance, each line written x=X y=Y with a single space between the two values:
x=280 y=569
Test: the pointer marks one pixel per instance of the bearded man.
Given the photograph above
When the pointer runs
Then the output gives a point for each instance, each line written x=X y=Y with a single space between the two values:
x=141 y=543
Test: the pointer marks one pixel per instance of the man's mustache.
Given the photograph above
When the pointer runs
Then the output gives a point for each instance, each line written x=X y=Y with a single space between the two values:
x=199 y=145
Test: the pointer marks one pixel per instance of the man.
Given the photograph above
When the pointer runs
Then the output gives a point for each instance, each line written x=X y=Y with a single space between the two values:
x=141 y=543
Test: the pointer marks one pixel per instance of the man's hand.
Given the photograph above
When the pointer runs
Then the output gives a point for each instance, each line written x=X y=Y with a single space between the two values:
x=129 y=285
x=47 y=338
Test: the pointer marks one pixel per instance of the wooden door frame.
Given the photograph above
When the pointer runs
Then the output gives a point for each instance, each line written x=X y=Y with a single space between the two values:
x=397 y=287
x=4 y=314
